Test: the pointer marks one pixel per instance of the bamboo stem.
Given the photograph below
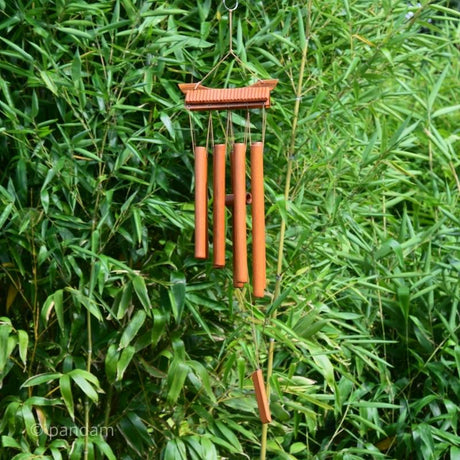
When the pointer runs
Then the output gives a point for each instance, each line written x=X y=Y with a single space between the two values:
x=287 y=188
x=290 y=157
x=219 y=205
x=89 y=357
x=263 y=448
x=258 y=220
x=201 y=203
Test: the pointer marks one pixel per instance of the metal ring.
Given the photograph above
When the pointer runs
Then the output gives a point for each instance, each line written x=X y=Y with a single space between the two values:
x=230 y=9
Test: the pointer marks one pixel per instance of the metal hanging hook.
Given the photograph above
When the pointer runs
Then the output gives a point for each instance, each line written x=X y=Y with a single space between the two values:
x=230 y=23
x=230 y=9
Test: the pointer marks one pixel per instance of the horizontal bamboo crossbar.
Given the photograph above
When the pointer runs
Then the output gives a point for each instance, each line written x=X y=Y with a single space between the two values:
x=230 y=199
x=199 y=97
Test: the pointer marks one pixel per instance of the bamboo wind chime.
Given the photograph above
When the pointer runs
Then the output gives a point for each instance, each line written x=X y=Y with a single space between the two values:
x=198 y=97
x=202 y=98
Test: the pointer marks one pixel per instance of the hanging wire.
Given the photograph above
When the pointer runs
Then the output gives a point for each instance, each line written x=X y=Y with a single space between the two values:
x=210 y=134
x=264 y=123
x=230 y=52
x=233 y=8
x=220 y=123
x=229 y=134
x=247 y=128
x=237 y=59
x=192 y=132
x=255 y=338
x=243 y=306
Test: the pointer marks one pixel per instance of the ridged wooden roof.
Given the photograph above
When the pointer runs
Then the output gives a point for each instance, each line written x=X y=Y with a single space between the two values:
x=198 y=97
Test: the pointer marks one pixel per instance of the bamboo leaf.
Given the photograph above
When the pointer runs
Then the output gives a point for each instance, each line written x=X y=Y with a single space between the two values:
x=66 y=393
x=175 y=450
x=59 y=307
x=132 y=329
x=85 y=381
x=159 y=324
x=5 y=214
x=23 y=340
x=141 y=290
x=111 y=362
x=443 y=111
x=436 y=88
x=177 y=374
x=168 y=124
x=104 y=447
x=177 y=294
x=123 y=363
x=12 y=293
x=20 y=52
x=30 y=423
x=8 y=441
x=41 y=378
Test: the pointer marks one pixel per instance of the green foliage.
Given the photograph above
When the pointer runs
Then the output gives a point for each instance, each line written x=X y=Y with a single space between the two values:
x=116 y=343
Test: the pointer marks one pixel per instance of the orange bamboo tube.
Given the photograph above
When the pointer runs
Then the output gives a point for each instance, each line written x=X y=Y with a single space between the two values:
x=258 y=220
x=219 y=205
x=201 y=203
x=240 y=251
x=261 y=396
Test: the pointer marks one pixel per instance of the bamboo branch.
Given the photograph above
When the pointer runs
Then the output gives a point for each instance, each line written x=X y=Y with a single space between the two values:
x=290 y=159
x=271 y=348
x=287 y=188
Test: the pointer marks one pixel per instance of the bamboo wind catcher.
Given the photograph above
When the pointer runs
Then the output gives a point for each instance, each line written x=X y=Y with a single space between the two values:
x=201 y=98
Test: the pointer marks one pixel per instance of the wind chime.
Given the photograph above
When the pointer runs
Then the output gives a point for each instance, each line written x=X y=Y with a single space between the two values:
x=202 y=98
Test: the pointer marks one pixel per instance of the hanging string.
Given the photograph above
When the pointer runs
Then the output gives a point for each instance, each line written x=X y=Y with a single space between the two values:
x=255 y=338
x=222 y=127
x=210 y=133
x=247 y=129
x=264 y=123
x=229 y=135
x=241 y=301
x=237 y=59
x=230 y=52
x=211 y=127
x=192 y=131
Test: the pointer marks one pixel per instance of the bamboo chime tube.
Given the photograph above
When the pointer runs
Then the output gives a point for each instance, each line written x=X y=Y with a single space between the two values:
x=258 y=220
x=261 y=397
x=219 y=205
x=201 y=203
x=240 y=252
